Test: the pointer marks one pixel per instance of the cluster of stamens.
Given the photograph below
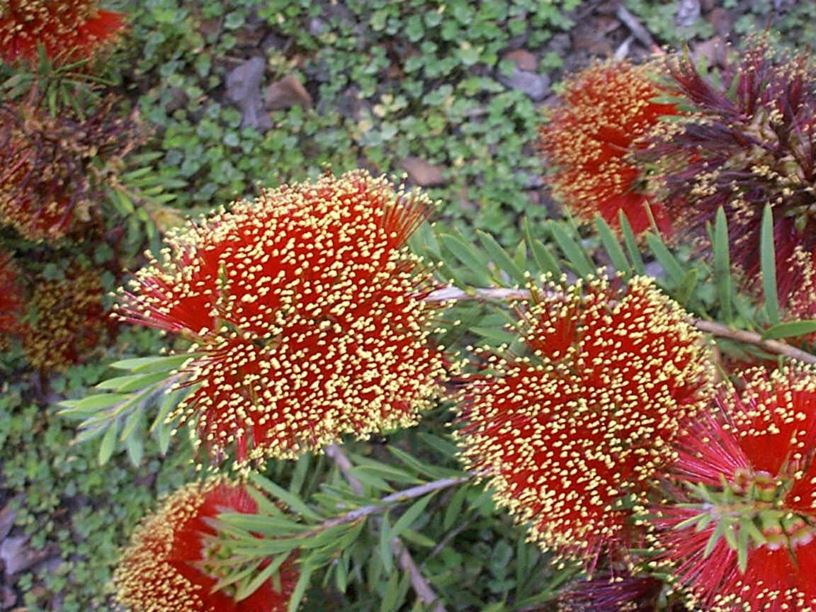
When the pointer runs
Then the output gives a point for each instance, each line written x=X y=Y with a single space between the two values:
x=67 y=30
x=306 y=314
x=571 y=434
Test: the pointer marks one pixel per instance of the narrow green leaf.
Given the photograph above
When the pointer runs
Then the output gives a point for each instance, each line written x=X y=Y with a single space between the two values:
x=453 y=512
x=767 y=261
x=163 y=435
x=667 y=260
x=413 y=463
x=384 y=545
x=135 y=382
x=424 y=243
x=169 y=401
x=108 y=443
x=692 y=520
x=371 y=480
x=440 y=444
x=685 y=291
x=415 y=537
x=753 y=531
x=716 y=534
x=631 y=244
x=135 y=450
x=612 y=246
x=90 y=404
x=294 y=502
x=520 y=256
x=722 y=267
x=729 y=532
x=387 y=472
x=790 y=329
x=301 y=586
x=147 y=365
x=390 y=598
x=577 y=258
x=541 y=254
x=299 y=475
x=475 y=262
x=131 y=423
x=743 y=542
x=274 y=526
x=500 y=257
x=410 y=515
x=232 y=578
x=245 y=590
x=496 y=334
x=341 y=572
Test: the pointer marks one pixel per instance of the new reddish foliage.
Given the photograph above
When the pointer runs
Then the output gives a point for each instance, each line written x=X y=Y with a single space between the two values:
x=743 y=144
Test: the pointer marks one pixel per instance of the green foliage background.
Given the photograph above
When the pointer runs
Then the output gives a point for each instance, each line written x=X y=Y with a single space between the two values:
x=425 y=82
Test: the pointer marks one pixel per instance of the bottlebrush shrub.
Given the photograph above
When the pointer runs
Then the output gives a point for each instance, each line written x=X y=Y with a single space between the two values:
x=175 y=560
x=11 y=300
x=597 y=124
x=54 y=170
x=571 y=434
x=738 y=528
x=69 y=321
x=67 y=30
x=306 y=314
x=745 y=142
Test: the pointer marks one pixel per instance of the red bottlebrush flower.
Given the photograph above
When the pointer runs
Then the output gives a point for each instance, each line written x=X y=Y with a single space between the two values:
x=571 y=435
x=172 y=561
x=613 y=593
x=605 y=111
x=70 y=321
x=801 y=303
x=739 y=525
x=11 y=300
x=747 y=141
x=68 y=30
x=54 y=170
x=307 y=314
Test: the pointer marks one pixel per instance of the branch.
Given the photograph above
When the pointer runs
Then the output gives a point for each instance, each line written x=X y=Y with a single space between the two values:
x=483 y=294
x=772 y=346
x=710 y=327
x=336 y=454
x=424 y=591
x=637 y=29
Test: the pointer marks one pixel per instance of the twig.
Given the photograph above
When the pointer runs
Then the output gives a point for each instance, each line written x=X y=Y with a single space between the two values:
x=336 y=454
x=710 y=327
x=623 y=50
x=424 y=592
x=772 y=346
x=484 y=294
x=634 y=25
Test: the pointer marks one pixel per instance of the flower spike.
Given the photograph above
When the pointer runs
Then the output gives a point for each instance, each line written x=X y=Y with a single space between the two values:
x=590 y=136
x=307 y=316
x=172 y=562
x=68 y=30
x=571 y=434
x=738 y=528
